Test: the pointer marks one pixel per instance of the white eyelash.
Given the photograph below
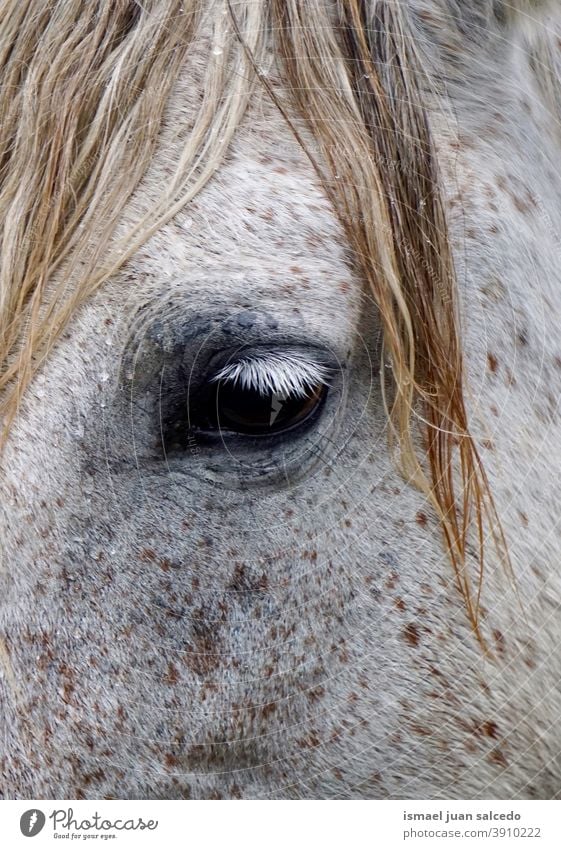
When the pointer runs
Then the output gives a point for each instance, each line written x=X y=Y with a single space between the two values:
x=287 y=375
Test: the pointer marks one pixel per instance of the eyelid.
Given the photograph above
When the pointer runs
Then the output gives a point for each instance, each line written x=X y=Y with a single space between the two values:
x=275 y=372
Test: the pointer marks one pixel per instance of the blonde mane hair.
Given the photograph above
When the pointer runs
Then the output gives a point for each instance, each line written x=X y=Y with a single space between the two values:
x=82 y=97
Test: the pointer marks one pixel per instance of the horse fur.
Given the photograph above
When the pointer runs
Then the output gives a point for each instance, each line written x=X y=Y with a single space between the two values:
x=229 y=621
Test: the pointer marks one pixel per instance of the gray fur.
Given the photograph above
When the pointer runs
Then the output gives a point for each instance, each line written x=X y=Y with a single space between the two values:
x=283 y=621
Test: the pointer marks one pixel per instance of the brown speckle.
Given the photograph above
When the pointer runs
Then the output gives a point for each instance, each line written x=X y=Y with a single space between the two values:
x=148 y=555
x=268 y=709
x=411 y=634
x=497 y=757
x=392 y=580
x=489 y=729
x=492 y=362
x=494 y=289
x=203 y=657
x=311 y=741
x=499 y=640
x=420 y=730
x=172 y=675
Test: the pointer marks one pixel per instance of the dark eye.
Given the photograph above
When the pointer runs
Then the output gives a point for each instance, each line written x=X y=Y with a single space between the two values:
x=255 y=394
x=238 y=409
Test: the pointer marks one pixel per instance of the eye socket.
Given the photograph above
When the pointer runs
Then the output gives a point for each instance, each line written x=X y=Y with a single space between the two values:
x=237 y=409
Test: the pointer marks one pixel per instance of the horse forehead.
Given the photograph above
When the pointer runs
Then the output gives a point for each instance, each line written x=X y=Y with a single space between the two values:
x=262 y=227
x=264 y=197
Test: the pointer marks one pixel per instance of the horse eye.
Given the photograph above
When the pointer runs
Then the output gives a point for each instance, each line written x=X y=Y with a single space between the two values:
x=238 y=409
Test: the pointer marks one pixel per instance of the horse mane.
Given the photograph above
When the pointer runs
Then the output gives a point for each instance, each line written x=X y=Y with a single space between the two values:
x=83 y=90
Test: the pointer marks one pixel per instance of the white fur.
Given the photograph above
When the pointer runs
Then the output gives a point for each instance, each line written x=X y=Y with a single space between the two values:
x=230 y=624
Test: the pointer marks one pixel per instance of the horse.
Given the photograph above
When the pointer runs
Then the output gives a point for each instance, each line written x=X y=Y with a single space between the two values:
x=279 y=482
